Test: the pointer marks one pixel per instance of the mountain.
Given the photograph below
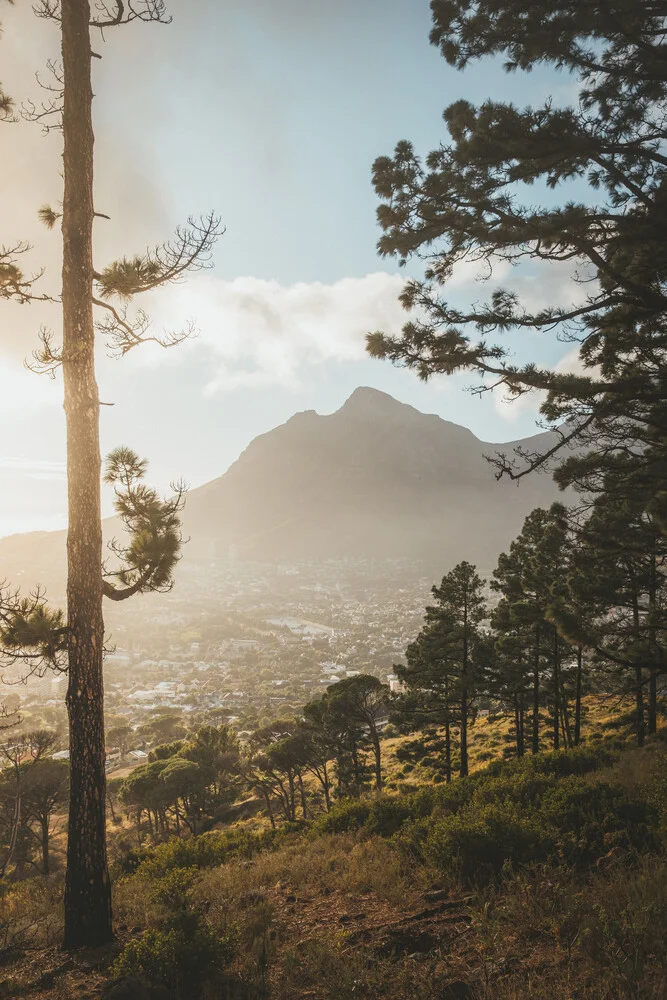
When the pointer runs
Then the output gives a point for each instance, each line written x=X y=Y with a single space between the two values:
x=376 y=479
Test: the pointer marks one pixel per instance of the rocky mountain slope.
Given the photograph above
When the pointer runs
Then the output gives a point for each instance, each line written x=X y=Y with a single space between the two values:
x=377 y=479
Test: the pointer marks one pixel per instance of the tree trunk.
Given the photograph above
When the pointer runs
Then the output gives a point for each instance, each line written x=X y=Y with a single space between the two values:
x=639 y=706
x=44 y=824
x=653 y=673
x=326 y=785
x=448 y=735
x=463 y=770
x=269 y=808
x=577 y=696
x=87 y=886
x=556 y=692
x=302 y=792
x=652 y=701
x=565 y=711
x=518 y=726
x=378 y=758
x=536 y=693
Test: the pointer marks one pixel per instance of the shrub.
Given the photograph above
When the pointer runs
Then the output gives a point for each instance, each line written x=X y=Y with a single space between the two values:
x=476 y=843
x=345 y=816
x=206 y=851
x=591 y=818
x=183 y=955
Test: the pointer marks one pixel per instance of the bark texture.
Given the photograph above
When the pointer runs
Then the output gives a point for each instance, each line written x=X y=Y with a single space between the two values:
x=87 y=887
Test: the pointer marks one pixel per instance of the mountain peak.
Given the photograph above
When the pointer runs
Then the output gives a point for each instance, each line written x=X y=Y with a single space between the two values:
x=366 y=400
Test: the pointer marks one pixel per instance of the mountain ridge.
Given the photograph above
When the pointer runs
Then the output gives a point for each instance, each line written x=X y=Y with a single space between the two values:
x=377 y=478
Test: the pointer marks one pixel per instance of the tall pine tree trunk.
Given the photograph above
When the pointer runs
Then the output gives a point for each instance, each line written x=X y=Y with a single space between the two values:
x=463 y=769
x=87 y=887
x=448 y=735
x=556 y=731
x=653 y=673
x=536 y=693
x=577 y=696
x=639 y=706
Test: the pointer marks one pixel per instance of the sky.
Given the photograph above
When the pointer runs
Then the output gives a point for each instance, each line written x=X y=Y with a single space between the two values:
x=270 y=112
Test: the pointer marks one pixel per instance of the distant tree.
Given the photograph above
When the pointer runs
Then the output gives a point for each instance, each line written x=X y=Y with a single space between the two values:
x=215 y=750
x=45 y=788
x=20 y=756
x=615 y=603
x=120 y=736
x=450 y=652
x=163 y=729
x=316 y=746
x=273 y=766
x=511 y=675
x=361 y=701
x=430 y=679
x=466 y=203
x=30 y=630
x=529 y=577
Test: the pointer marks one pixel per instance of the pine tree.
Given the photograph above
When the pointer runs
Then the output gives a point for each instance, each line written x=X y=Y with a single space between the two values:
x=95 y=302
x=464 y=203
x=615 y=602
x=430 y=679
x=359 y=702
x=510 y=675
x=447 y=659
x=524 y=605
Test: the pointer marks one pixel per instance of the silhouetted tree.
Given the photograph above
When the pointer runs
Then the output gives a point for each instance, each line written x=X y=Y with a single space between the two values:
x=30 y=630
x=448 y=659
x=465 y=203
x=361 y=702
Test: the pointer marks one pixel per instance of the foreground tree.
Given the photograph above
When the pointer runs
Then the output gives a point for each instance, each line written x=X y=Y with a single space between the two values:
x=32 y=631
x=464 y=204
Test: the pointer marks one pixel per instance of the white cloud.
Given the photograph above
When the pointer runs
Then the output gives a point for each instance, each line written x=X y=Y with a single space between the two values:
x=35 y=469
x=261 y=333
x=22 y=390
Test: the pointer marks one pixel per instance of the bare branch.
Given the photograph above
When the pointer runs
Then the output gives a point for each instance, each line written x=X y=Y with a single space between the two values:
x=110 y=15
x=123 y=334
x=47 y=359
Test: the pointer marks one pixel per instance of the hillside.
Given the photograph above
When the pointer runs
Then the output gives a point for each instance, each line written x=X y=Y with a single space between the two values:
x=542 y=877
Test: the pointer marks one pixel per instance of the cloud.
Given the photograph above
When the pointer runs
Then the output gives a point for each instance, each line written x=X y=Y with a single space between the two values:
x=35 y=469
x=22 y=391
x=258 y=333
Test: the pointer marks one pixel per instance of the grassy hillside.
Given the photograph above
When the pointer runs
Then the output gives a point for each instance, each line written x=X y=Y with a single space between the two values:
x=542 y=877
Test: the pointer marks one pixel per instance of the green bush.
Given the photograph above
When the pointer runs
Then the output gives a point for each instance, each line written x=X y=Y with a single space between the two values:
x=184 y=954
x=589 y=819
x=206 y=851
x=351 y=814
x=476 y=843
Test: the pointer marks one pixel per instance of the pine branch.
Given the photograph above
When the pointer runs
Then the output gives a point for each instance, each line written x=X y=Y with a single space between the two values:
x=31 y=632
x=189 y=250
x=147 y=562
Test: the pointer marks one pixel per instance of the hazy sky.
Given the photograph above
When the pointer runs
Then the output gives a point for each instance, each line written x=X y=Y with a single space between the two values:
x=270 y=112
